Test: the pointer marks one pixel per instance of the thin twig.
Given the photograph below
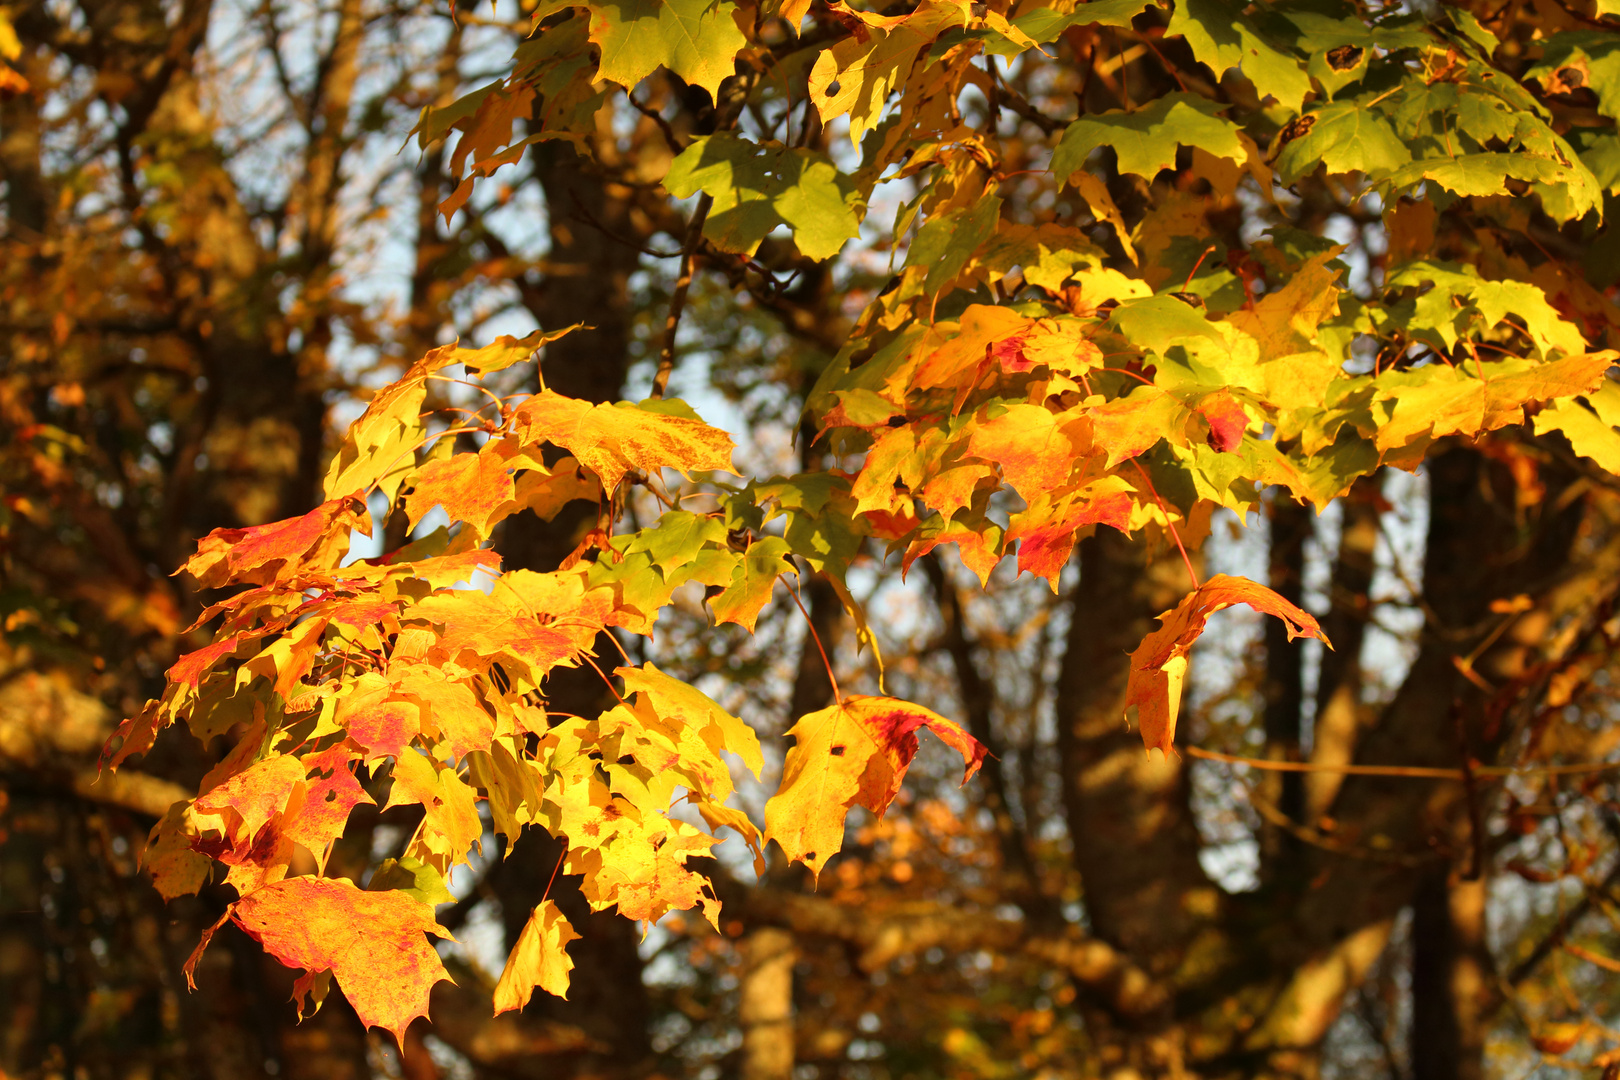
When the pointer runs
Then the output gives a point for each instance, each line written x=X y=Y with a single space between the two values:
x=677 y=302
x=583 y=214
x=1420 y=772
x=653 y=114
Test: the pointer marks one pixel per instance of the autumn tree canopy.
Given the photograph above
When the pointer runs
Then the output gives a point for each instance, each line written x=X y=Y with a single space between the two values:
x=1018 y=315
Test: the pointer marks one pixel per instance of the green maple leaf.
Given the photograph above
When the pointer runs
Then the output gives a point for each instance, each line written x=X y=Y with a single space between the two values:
x=412 y=877
x=696 y=39
x=752 y=582
x=827 y=541
x=945 y=244
x=1600 y=152
x=757 y=188
x=1146 y=139
x=1460 y=295
x=1568 y=190
x=1223 y=37
x=1343 y=136
x=679 y=538
x=1046 y=24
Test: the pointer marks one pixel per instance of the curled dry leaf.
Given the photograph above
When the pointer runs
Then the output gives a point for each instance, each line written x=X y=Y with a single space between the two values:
x=1159 y=664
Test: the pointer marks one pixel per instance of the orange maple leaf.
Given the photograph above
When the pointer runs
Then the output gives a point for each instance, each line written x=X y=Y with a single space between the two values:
x=1037 y=449
x=372 y=942
x=266 y=554
x=190 y=668
x=332 y=792
x=853 y=753
x=537 y=621
x=1045 y=541
x=1226 y=419
x=1159 y=664
x=381 y=727
x=472 y=488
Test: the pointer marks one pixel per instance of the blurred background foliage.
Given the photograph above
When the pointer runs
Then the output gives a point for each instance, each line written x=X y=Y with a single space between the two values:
x=213 y=248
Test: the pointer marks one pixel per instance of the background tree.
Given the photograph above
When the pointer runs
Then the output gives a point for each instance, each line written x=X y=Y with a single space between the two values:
x=189 y=192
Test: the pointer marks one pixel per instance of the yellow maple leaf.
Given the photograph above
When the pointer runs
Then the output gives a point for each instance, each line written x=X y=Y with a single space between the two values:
x=854 y=753
x=611 y=440
x=540 y=958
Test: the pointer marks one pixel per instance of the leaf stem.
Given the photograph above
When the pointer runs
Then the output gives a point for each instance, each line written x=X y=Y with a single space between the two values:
x=1174 y=532
x=561 y=855
x=793 y=591
x=500 y=405
x=611 y=688
x=677 y=302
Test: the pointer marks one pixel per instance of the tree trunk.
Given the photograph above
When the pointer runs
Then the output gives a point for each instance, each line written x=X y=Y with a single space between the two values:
x=1452 y=995
x=1291 y=525
x=765 y=1004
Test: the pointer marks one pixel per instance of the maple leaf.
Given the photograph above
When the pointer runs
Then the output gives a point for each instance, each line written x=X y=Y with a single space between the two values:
x=856 y=75
x=977 y=543
x=636 y=862
x=257 y=793
x=1223 y=37
x=1226 y=420
x=380 y=726
x=267 y=554
x=1146 y=139
x=1036 y=448
x=1045 y=531
x=373 y=943
x=696 y=40
x=752 y=582
x=331 y=793
x=170 y=856
x=854 y=753
x=540 y=958
x=450 y=825
x=535 y=621
x=471 y=488
x=686 y=706
x=611 y=440
x=756 y=188
x=1159 y=664
x=378 y=448
x=189 y=670
x=451 y=707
